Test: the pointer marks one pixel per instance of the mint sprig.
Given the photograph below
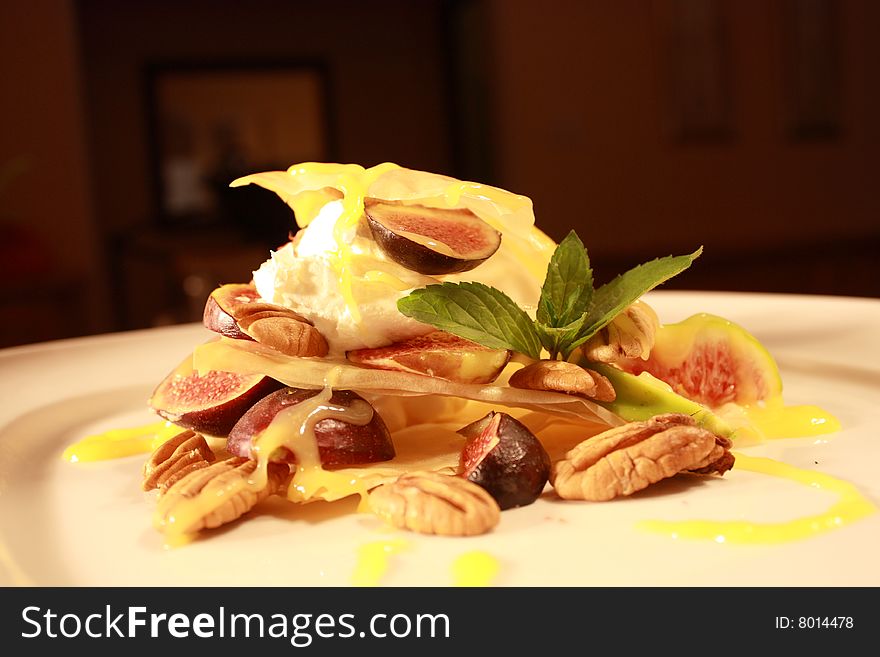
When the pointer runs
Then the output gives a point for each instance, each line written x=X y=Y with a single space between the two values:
x=570 y=311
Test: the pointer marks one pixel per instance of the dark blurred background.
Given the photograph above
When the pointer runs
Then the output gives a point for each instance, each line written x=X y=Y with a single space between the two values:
x=651 y=126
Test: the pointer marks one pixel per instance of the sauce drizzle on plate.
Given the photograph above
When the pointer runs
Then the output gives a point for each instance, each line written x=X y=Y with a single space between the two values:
x=851 y=506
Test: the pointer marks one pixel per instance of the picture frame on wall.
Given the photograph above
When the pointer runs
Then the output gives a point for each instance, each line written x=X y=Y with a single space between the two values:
x=210 y=123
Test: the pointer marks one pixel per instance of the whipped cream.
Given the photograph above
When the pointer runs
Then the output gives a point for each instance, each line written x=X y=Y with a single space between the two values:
x=301 y=276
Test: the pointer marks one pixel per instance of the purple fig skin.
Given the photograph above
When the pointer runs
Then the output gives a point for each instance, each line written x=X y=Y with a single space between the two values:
x=515 y=470
x=209 y=404
x=216 y=319
x=420 y=258
x=339 y=442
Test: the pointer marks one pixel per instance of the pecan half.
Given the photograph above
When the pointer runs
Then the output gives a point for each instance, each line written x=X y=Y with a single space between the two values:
x=561 y=376
x=282 y=329
x=215 y=495
x=719 y=460
x=629 y=458
x=431 y=503
x=235 y=310
x=176 y=458
x=629 y=335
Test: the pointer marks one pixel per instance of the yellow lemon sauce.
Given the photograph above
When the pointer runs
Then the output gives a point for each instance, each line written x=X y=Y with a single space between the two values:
x=476 y=568
x=775 y=420
x=118 y=443
x=176 y=515
x=374 y=559
x=851 y=505
x=353 y=184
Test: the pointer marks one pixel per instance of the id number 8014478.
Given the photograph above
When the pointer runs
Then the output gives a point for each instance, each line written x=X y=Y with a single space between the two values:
x=814 y=622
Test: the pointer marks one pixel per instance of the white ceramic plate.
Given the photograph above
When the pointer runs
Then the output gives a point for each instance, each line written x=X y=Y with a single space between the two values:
x=89 y=524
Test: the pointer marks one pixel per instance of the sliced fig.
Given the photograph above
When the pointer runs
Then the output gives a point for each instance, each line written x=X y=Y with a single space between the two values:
x=429 y=240
x=235 y=311
x=506 y=459
x=211 y=403
x=438 y=354
x=339 y=442
x=712 y=361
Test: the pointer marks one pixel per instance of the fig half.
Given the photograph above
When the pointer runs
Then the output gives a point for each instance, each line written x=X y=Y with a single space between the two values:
x=438 y=354
x=506 y=459
x=339 y=442
x=430 y=241
x=211 y=403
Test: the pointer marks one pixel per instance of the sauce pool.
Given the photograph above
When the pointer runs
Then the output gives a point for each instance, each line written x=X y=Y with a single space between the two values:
x=475 y=568
x=118 y=443
x=778 y=421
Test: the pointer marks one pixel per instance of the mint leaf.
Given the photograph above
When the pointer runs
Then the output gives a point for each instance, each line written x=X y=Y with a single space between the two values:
x=475 y=312
x=568 y=287
x=610 y=299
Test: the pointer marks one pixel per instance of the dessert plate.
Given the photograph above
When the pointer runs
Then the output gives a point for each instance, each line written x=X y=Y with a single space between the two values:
x=89 y=524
